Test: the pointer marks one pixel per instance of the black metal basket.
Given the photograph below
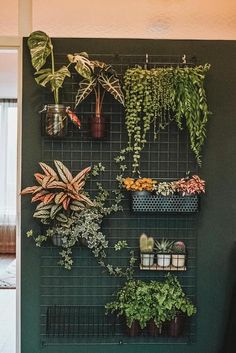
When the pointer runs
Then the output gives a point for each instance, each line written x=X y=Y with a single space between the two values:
x=148 y=202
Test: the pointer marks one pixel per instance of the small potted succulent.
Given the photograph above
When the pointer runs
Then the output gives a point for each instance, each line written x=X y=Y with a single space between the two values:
x=178 y=254
x=55 y=117
x=163 y=249
x=103 y=79
x=146 y=245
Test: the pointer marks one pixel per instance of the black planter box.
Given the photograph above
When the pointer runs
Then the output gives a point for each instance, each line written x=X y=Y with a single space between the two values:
x=147 y=202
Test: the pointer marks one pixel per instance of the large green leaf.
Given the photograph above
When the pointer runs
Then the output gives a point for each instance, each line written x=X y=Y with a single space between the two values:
x=55 y=79
x=83 y=65
x=85 y=88
x=112 y=85
x=40 y=48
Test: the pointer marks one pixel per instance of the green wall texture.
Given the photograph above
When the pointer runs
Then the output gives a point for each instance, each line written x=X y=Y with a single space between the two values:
x=217 y=223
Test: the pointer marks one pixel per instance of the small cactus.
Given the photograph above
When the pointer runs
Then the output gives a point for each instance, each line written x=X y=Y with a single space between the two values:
x=179 y=248
x=146 y=243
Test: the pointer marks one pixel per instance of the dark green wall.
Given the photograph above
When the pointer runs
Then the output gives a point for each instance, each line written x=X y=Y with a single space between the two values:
x=217 y=219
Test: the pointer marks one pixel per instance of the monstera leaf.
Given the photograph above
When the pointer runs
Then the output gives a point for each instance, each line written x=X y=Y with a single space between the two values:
x=85 y=88
x=55 y=79
x=40 y=48
x=112 y=85
x=83 y=65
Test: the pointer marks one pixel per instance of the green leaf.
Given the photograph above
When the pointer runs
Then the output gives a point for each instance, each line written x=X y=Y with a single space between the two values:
x=83 y=65
x=85 y=88
x=112 y=85
x=56 y=80
x=40 y=48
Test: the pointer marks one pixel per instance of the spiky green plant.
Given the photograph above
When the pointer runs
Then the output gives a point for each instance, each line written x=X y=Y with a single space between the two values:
x=163 y=246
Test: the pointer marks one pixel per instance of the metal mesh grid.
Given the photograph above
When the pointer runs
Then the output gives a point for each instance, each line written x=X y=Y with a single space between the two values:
x=86 y=285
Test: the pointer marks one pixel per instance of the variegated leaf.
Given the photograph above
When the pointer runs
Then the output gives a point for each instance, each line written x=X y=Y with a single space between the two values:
x=47 y=180
x=83 y=65
x=80 y=175
x=29 y=190
x=85 y=88
x=39 y=178
x=39 y=196
x=54 y=210
x=39 y=188
x=48 y=170
x=42 y=206
x=75 y=208
x=66 y=203
x=41 y=214
x=85 y=199
x=78 y=204
x=64 y=172
x=48 y=198
x=61 y=218
x=60 y=197
x=112 y=85
x=56 y=185
x=55 y=79
x=40 y=48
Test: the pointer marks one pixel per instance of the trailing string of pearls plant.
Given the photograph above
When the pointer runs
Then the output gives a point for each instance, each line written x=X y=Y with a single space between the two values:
x=155 y=97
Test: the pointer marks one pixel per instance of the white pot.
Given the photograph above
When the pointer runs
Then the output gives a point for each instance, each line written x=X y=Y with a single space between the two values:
x=178 y=260
x=147 y=260
x=163 y=260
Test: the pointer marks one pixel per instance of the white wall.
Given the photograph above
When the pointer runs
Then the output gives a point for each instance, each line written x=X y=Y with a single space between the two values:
x=8 y=73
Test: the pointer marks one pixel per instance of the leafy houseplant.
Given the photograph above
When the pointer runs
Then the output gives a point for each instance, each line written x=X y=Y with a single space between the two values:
x=146 y=245
x=190 y=186
x=163 y=249
x=41 y=48
x=178 y=254
x=103 y=79
x=154 y=98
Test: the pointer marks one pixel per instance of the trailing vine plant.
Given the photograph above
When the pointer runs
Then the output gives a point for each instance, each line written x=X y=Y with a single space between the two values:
x=155 y=97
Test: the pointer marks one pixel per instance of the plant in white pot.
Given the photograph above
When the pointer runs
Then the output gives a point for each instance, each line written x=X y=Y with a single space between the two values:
x=56 y=115
x=178 y=254
x=146 y=245
x=163 y=249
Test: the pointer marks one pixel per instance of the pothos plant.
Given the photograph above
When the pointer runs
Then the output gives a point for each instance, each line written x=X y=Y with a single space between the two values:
x=69 y=212
x=153 y=98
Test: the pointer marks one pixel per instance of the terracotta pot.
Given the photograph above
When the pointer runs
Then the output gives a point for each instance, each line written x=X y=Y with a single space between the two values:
x=98 y=127
x=134 y=330
x=54 y=120
x=176 y=326
x=152 y=329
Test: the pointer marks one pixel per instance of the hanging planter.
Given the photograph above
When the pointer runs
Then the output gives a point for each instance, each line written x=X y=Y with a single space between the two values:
x=54 y=120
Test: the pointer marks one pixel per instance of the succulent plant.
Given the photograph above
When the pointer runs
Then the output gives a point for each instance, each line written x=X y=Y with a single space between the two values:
x=179 y=248
x=163 y=246
x=146 y=243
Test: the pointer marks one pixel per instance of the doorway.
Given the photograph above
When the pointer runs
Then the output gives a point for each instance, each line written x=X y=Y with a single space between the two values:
x=8 y=199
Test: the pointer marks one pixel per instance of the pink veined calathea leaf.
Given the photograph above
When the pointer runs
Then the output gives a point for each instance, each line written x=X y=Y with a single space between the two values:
x=47 y=180
x=56 y=185
x=29 y=190
x=66 y=203
x=84 y=198
x=39 y=178
x=48 y=170
x=39 y=196
x=64 y=172
x=80 y=175
x=48 y=198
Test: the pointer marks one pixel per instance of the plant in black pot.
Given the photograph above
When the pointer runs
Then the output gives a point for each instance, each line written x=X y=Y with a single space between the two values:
x=181 y=307
x=55 y=117
x=133 y=302
x=146 y=245
x=103 y=79
x=163 y=249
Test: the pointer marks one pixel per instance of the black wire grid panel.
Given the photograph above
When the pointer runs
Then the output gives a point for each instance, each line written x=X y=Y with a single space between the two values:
x=72 y=302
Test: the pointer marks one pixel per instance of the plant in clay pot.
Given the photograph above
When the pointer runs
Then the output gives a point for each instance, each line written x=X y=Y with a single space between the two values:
x=146 y=245
x=103 y=79
x=163 y=249
x=178 y=254
x=54 y=121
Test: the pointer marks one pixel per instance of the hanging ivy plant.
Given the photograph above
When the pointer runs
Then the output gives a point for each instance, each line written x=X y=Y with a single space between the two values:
x=153 y=98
